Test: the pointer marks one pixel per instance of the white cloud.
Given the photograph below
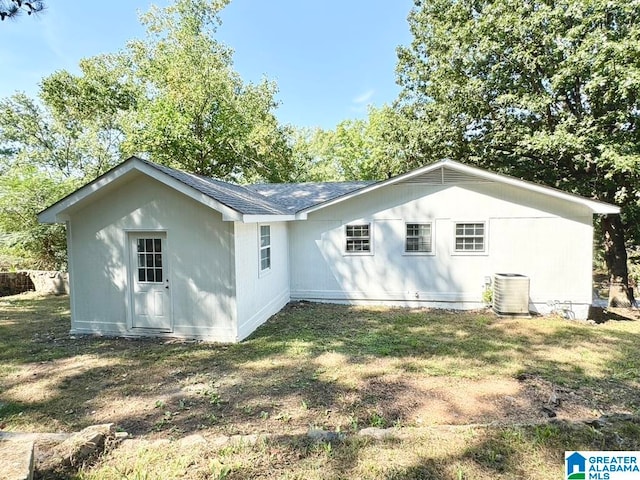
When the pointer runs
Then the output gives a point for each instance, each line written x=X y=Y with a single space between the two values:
x=58 y=39
x=364 y=97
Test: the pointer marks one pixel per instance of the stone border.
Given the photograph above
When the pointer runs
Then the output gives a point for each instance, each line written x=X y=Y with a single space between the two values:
x=42 y=281
x=24 y=455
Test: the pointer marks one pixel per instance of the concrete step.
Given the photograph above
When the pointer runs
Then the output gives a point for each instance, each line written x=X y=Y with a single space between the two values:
x=16 y=458
x=34 y=437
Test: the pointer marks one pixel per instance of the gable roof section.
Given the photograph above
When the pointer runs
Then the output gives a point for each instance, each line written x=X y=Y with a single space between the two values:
x=235 y=202
x=448 y=172
x=291 y=201
x=237 y=197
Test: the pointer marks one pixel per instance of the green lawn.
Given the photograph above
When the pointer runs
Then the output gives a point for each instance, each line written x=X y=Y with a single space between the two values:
x=465 y=392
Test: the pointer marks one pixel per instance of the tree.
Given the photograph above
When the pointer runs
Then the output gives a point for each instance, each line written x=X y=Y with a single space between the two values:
x=47 y=149
x=546 y=90
x=24 y=191
x=13 y=8
x=357 y=149
x=92 y=110
x=44 y=155
x=173 y=97
x=196 y=113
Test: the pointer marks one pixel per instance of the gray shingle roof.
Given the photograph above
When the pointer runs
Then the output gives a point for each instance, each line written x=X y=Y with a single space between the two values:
x=234 y=196
x=263 y=199
x=297 y=196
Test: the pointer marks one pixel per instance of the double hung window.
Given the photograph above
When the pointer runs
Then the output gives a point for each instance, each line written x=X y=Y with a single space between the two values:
x=419 y=238
x=470 y=237
x=358 y=238
x=265 y=247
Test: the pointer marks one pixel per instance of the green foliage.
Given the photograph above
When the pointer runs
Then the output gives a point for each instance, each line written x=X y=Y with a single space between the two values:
x=377 y=420
x=173 y=97
x=195 y=112
x=544 y=91
x=24 y=191
x=93 y=107
x=43 y=156
x=48 y=147
x=487 y=296
x=362 y=149
x=63 y=141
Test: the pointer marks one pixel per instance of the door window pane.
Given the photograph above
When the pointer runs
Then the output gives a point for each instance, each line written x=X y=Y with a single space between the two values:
x=150 y=260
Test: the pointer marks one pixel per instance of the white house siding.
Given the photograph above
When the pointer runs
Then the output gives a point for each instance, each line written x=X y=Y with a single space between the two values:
x=200 y=261
x=260 y=294
x=546 y=239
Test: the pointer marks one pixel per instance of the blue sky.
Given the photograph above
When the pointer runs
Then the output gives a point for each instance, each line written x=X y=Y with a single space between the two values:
x=330 y=58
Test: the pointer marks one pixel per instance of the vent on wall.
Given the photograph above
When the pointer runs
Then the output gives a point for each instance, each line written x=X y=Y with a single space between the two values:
x=511 y=294
x=445 y=176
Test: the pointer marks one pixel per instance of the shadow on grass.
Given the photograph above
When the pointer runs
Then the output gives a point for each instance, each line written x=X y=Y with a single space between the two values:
x=282 y=378
x=533 y=452
x=603 y=315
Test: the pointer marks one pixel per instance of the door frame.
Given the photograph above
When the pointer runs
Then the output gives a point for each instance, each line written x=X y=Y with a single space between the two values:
x=131 y=270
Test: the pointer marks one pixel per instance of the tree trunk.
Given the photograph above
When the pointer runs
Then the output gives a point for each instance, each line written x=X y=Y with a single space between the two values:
x=615 y=253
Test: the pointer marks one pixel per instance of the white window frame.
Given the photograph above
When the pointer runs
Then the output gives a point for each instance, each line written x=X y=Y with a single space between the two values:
x=264 y=249
x=431 y=234
x=348 y=237
x=150 y=260
x=485 y=237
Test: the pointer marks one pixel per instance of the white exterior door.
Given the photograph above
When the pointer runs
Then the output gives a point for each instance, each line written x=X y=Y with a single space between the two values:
x=151 y=299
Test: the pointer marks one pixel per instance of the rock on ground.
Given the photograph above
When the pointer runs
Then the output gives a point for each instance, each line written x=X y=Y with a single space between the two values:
x=76 y=449
x=16 y=458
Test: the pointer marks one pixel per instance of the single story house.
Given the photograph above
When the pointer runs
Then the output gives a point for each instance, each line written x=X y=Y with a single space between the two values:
x=157 y=251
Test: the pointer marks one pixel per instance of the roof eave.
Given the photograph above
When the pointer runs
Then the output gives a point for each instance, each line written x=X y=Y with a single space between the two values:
x=51 y=218
x=604 y=208
x=595 y=206
x=57 y=213
x=268 y=218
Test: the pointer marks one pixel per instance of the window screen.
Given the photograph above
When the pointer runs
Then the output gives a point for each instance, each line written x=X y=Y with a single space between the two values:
x=418 y=238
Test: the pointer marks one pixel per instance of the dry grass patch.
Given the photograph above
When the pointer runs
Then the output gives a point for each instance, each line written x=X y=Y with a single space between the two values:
x=333 y=367
x=533 y=452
